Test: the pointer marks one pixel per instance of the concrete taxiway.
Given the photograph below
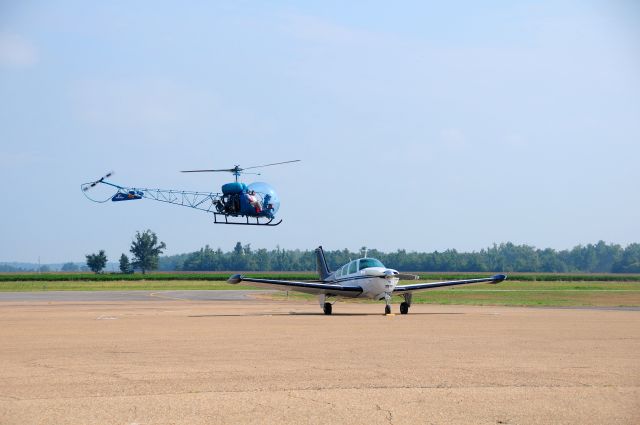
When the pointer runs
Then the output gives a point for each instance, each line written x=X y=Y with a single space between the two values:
x=102 y=296
x=185 y=358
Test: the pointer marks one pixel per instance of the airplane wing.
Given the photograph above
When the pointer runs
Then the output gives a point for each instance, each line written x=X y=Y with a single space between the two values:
x=307 y=287
x=424 y=286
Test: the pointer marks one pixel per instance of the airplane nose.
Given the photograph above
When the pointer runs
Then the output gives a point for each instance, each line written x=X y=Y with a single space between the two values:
x=388 y=274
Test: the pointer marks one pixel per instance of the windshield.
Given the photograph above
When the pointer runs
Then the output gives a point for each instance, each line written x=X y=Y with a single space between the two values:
x=263 y=190
x=369 y=262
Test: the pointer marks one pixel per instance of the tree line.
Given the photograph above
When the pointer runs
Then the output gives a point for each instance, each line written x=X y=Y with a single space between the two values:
x=505 y=257
x=145 y=249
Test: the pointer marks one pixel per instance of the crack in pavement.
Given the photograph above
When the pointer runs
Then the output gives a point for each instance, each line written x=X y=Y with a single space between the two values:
x=388 y=416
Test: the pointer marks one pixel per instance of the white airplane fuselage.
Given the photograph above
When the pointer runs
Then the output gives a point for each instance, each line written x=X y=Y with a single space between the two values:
x=369 y=279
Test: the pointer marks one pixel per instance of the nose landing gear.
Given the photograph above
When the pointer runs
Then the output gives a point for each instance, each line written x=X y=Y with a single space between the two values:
x=387 y=307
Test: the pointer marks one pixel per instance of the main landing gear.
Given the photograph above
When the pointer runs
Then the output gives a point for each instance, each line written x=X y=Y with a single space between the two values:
x=327 y=308
x=404 y=307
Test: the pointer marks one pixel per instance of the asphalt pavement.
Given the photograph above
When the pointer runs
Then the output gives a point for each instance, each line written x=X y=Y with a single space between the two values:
x=111 y=296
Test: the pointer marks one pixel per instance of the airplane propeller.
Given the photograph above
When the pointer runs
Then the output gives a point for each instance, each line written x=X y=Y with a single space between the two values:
x=401 y=276
x=388 y=274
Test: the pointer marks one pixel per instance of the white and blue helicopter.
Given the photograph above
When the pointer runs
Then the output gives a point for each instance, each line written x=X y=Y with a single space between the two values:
x=361 y=278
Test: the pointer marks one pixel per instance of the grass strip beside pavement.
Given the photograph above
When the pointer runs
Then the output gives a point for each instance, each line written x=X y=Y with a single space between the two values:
x=119 y=285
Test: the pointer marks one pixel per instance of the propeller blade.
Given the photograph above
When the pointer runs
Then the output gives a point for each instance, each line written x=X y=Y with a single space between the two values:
x=407 y=276
x=390 y=274
x=269 y=165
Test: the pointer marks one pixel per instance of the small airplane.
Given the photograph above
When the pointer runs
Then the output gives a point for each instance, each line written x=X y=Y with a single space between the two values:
x=361 y=278
x=255 y=204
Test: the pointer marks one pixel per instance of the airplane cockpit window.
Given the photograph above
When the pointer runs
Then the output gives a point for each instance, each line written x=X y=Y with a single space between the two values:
x=353 y=267
x=369 y=262
x=344 y=270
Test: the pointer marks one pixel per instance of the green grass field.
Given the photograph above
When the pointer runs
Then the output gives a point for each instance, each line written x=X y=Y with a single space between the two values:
x=117 y=285
x=508 y=293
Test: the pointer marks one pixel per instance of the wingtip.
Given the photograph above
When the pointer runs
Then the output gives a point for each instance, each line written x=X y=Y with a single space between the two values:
x=499 y=278
x=236 y=278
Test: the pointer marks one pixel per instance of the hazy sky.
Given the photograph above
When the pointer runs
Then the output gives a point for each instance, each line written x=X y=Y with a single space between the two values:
x=420 y=125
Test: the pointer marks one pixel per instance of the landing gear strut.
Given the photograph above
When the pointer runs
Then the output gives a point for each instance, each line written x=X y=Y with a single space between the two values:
x=327 y=308
x=404 y=307
x=387 y=308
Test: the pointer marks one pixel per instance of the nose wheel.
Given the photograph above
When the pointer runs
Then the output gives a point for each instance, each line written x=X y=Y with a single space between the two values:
x=387 y=300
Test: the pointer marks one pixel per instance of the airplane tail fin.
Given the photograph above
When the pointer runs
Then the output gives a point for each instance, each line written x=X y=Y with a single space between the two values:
x=321 y=262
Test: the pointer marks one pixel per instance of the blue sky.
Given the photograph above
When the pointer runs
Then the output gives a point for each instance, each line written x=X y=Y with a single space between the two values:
x=420 y=125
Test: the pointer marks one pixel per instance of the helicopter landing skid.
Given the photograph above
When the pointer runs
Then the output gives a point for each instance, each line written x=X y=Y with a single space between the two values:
x=246 y=221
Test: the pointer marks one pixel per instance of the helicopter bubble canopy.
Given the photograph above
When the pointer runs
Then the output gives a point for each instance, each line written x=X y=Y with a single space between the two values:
x=267 y=193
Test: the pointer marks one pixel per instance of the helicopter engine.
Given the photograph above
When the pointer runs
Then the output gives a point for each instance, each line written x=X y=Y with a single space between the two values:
x=230 y=202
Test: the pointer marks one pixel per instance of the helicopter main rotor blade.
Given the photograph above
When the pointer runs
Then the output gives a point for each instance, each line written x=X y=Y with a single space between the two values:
x=268 y=165
x=230 y=170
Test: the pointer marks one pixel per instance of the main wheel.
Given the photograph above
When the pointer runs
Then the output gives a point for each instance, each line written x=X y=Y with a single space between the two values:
x=404 y=308
x=387 y=309
x=327 y=308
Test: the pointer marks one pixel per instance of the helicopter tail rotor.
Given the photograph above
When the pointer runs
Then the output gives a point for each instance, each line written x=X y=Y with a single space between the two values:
x=90 y=185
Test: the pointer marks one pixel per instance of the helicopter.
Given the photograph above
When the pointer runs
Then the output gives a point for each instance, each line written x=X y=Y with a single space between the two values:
x=255 y=204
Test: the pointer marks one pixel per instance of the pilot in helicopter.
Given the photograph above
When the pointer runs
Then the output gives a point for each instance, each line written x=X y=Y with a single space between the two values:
x=254 y=201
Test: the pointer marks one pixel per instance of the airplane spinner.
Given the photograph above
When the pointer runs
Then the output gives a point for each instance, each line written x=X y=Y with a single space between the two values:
x=255 y=204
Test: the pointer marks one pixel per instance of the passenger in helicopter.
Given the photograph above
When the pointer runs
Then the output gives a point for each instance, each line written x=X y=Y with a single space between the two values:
x=254 y=201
